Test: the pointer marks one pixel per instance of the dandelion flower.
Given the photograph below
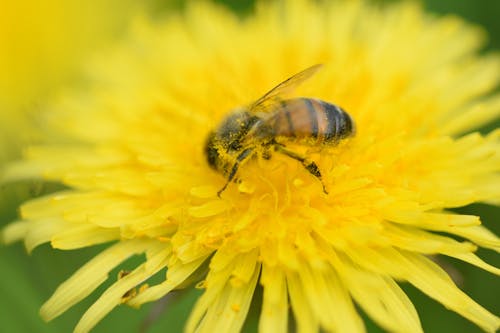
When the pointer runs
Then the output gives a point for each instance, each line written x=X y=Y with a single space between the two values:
x=131 y=153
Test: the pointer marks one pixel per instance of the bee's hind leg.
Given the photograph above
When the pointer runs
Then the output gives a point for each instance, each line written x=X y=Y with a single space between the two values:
x=241 y=157
x=310 y=166
x=266 y=154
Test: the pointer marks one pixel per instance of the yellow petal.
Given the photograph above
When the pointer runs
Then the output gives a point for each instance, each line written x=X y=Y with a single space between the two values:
x=330 y=300
x=274 y=313
x=307 y=321
x=13 y=232
x=479 y=235
x=230 y=308
x=209 y=209
x=214 y=284
x=435 y=221
x=430 y=278
x=42 y=230
x=74 y=237
x=471 y=258
x=175 y=276
x=413 y=239
x=480 y=113
x=223 y=306
x=207 y=191
x=89 y=277
x=242 y=273
x=383 y=300
x=156 y=259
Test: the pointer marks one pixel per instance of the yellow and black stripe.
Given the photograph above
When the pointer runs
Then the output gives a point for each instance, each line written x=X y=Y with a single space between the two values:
x=308 y=118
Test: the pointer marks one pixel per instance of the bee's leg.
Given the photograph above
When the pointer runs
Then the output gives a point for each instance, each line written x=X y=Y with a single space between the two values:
x=309 y=165
x=266 y=154
x=242 y=156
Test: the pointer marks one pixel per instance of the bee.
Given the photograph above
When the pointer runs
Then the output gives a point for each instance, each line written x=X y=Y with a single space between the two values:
x=268 y=124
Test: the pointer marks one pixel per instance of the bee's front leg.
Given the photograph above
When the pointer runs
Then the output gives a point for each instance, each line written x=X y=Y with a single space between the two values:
x=241 y=157
x=266 y=154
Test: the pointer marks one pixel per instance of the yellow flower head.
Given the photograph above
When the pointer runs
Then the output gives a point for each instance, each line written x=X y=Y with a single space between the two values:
x=137 y=175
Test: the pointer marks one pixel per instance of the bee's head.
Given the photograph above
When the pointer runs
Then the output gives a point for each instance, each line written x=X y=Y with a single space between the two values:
x=226 y=141
x=211 y=151
x=219 y=152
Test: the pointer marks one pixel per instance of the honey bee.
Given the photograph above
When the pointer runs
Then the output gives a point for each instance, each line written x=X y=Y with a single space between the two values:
x=269 y=123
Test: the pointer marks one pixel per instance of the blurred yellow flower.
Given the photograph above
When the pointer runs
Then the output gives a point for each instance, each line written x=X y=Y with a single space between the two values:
x=42 y=47
x=137 y=176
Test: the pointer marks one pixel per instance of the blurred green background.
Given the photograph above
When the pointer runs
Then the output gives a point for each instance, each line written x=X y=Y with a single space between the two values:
x=26 y=281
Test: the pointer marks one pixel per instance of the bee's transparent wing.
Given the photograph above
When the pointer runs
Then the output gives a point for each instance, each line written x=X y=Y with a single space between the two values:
x=272 y=97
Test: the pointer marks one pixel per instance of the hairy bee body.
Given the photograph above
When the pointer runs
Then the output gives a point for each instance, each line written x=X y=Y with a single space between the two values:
x=263 y=129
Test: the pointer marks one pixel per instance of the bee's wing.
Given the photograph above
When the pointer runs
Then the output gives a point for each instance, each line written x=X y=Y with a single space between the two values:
x=266 y=102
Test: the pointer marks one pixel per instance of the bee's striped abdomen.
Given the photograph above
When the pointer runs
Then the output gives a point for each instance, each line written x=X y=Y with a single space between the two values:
x=312 y=121
x=339 y=124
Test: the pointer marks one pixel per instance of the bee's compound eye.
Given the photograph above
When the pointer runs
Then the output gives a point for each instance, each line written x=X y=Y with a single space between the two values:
x=211 y=150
